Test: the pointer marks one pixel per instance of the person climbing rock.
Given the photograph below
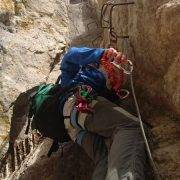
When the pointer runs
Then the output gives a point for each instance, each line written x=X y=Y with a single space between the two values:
x=109 y=134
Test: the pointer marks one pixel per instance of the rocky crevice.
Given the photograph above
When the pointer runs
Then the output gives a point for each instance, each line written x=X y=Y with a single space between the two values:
x=34 y=33
x=152 y=44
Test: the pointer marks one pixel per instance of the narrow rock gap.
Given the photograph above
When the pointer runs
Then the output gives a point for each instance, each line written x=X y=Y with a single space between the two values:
x=158 y=96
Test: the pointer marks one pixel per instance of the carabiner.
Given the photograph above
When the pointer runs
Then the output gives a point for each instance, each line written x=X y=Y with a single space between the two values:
x=125 y=91
x=125 y=71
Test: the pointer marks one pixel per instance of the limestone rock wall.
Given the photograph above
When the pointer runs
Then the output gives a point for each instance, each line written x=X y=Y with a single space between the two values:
x=32 y=37
x=153 y=45
x=153 y=29
x=33 y=34
x=67 y=165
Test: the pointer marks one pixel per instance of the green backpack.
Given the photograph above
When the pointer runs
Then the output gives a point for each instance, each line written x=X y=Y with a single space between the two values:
x=45 y=113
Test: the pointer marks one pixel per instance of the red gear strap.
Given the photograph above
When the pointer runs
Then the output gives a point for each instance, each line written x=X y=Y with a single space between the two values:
x=116 y=83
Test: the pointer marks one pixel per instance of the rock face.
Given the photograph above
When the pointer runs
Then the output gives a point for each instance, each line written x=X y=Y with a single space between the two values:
x=33 y=34
x=153 y=28
x=72 y=164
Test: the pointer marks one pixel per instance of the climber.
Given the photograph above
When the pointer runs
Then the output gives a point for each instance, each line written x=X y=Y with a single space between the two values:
x=109 y=134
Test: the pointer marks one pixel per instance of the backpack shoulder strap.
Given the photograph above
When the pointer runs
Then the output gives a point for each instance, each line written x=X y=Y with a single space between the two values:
x=54 y=147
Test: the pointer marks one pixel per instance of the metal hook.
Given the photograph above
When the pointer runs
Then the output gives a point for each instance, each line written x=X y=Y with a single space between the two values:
x=123 y=91
x=112 y=34
x=129 y=71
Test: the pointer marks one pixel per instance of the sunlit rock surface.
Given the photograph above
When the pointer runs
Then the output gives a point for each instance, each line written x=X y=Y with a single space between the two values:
x=153 y=28
x=33 y=34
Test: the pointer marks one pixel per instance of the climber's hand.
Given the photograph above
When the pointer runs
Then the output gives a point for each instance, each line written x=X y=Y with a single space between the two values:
x=117 y=57
x=121 y=59
x=110 y=53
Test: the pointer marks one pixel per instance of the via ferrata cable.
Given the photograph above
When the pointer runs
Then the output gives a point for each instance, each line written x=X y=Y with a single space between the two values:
x=142 y=129
x=129 y=72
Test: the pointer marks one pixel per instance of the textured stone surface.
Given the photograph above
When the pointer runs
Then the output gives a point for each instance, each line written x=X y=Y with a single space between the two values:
x=154 y=37
x=153 y=27
x=71 y=165
x=32 y=33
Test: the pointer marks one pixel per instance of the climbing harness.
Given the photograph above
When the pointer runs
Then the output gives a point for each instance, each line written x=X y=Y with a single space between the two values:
x=83 y=97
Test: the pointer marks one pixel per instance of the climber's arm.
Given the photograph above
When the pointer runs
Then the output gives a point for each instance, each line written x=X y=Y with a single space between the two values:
x=77 y=57
x=83 y=55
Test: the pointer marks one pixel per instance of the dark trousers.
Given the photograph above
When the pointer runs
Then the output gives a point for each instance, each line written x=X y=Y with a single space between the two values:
x=114 y=141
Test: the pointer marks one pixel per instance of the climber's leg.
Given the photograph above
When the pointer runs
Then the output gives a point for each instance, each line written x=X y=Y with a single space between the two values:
x=107 y=116
x=127 y=157
x=95 y=147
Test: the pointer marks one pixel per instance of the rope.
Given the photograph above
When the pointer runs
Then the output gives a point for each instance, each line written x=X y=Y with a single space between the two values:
x=142 y=129
x=124 y=43
x=129 y=72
